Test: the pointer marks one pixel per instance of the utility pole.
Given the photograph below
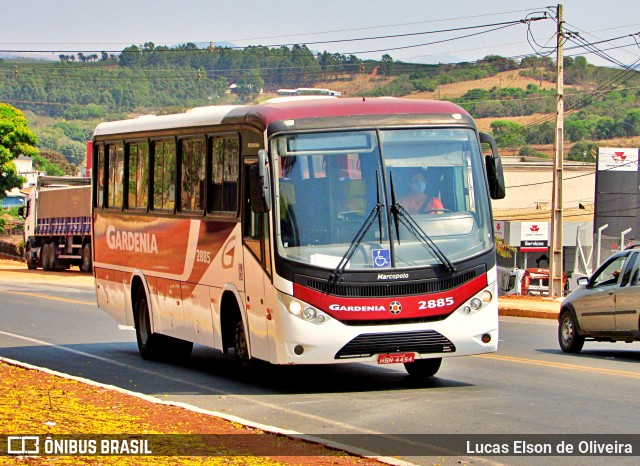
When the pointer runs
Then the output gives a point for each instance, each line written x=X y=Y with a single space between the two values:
x=555 y=258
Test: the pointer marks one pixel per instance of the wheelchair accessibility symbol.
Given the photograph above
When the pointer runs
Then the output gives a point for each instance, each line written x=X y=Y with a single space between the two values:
x=381 y=258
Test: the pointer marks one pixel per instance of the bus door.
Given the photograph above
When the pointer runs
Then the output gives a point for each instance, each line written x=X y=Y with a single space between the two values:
x=257 y=270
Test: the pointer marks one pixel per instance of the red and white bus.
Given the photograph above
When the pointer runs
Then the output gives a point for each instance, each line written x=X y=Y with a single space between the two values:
x=279 y=231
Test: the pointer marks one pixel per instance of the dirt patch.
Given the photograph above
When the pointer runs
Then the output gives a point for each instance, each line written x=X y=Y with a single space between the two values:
x=16 y=270
x=484 y=124
x=351 y=86
x=501 y=80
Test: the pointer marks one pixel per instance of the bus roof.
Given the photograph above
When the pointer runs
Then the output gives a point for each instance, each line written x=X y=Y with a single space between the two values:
x=283 y=109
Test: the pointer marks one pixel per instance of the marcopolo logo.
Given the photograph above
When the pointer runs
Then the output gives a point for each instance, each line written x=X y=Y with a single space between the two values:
x=134 y=241
x=392 y=276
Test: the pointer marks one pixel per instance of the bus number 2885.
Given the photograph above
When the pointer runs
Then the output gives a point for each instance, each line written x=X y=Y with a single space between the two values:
x=435 y=303
x=203 y=256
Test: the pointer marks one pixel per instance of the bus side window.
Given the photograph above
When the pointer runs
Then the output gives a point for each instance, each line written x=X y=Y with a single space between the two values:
x=115 y=161
x=193 y=175
x=100 y=181
x=223 y=187
x=138 y=169
x=164 y=157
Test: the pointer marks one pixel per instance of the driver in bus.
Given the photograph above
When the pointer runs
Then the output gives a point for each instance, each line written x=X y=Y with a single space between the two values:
x=422 y=199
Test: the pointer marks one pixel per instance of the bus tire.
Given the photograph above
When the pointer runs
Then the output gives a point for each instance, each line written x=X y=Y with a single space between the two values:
x=153 y=346
x=241 y=345
x=423 y=367
x=86 y=264
x=44 y=256
x=29 y=257
x=149 y=343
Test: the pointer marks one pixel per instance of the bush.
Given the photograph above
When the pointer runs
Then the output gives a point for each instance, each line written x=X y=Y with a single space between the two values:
x=528 y=151
x=84 y=112
x=583 y=151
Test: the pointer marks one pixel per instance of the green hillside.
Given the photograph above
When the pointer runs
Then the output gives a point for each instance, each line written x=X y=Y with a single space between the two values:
x=65 y=99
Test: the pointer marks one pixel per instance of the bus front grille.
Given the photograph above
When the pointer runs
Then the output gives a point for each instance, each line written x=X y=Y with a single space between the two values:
x=383 y=290
x=366 y=345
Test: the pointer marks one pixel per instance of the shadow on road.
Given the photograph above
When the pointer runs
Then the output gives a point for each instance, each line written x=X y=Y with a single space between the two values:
x=620 y=355
x=209 y=372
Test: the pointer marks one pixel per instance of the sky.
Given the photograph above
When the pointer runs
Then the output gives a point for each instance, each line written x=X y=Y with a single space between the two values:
x=91 y=26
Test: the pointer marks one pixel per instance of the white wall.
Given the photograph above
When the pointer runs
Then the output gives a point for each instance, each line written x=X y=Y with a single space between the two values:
x=530 y=183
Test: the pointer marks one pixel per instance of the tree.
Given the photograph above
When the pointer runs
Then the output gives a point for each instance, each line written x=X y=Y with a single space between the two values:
x=387 y=65
x=249 y=85
x=508 y=134
x=577 y=129
x=15 y=139
x=503 y=249
x=583 y=151
x=54 y=163
x=632 y=123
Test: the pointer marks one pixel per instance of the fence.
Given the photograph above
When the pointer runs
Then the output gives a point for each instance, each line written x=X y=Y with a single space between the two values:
x=11 y=237
x=588 y=258
x=13 y=227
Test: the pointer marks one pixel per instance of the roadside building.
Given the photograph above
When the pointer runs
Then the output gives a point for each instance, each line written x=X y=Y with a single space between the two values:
x=601 y=211
x=24 y=167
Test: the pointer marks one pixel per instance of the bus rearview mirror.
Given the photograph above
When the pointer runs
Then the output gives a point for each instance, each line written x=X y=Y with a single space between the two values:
x=495 y=176
x=260 y=185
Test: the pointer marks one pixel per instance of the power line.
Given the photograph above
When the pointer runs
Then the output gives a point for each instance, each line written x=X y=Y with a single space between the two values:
x=368 y=28
x=336 y=41
x=442 y=41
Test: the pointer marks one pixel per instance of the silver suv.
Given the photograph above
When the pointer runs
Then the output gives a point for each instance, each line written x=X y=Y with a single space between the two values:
x=606 y=306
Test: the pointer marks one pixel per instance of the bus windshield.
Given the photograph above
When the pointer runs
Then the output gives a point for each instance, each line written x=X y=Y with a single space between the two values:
x=329 y=183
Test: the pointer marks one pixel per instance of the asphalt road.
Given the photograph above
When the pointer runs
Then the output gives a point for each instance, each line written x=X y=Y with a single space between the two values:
x=528 y=387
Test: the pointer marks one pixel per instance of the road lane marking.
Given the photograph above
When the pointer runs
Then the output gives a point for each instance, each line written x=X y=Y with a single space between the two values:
x=560 y=365
x=44 y=296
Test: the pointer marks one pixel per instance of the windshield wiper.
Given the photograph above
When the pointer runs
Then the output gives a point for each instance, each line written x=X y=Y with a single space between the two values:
x=400 y=215
x=375 y=212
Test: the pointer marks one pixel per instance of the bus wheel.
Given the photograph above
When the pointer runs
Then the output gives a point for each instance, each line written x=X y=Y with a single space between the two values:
x=29 y=257
x=149 y=343
x=44 y=256
x=423 y=367
x=86 y=264
x=241 y=346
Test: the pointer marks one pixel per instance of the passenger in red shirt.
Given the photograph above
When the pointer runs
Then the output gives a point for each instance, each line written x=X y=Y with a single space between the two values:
x=419 y=201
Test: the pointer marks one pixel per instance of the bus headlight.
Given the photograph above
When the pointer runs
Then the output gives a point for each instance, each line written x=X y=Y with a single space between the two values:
x=486 y=296
x=302 y=310
x=475 y=303
x=295 y=308
x=309 y=313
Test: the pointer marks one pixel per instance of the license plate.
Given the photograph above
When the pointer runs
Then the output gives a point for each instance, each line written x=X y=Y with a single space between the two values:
x=396 y=358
